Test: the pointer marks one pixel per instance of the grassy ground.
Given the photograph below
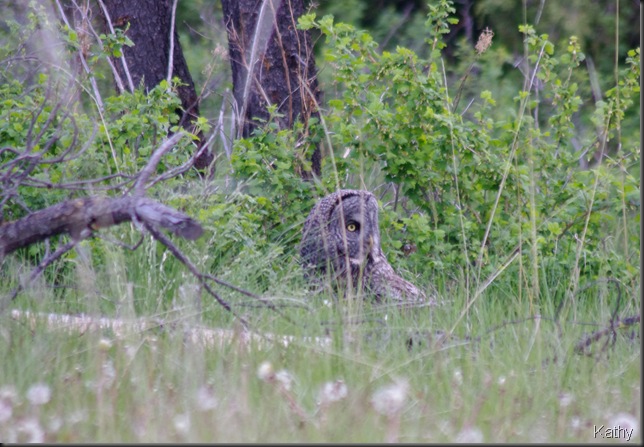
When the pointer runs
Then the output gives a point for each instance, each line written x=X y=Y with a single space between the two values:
x=385 y=376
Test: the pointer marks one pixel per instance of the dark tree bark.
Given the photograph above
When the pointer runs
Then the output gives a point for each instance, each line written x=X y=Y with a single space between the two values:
x=283 y=70
x=147 y=61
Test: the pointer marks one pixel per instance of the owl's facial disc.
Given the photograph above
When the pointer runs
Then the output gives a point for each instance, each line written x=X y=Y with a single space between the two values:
x=354 y=222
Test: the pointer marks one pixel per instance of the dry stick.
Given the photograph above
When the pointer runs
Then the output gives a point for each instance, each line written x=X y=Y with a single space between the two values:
x=583 y=344
x=174 y=172
x=97 y=94
x=228 y=150
x=181 y=257
x=146 y=172
x=92 y=79
x=264 y=301
x=120 y=327
x=404 y=18
x=38 y=270
x=458 y=192
x=574 y=281
x=202 y=277
x=121 y=243
x=485 y=285
x=506 y=172
x=507 y=169
x=80 y=185
x=126 y=69
x=117 y=77
x=261 y=37
x=284 y=63
x=171 y=55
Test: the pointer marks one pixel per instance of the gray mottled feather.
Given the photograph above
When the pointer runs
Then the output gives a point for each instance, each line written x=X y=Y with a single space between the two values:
x=328 y=249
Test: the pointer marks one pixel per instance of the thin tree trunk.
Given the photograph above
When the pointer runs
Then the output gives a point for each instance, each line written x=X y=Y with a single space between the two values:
x=283 y=68
x=150 y=23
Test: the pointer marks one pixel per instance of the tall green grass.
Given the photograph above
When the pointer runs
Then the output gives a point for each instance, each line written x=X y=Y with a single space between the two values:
x=499 y=378
x=487 y=363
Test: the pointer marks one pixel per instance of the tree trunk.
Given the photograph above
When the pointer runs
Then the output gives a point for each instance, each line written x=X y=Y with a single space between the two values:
x=283 y=68
x=150 y=23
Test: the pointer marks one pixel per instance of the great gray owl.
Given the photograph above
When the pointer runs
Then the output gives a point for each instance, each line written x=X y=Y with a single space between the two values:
x=341 y=241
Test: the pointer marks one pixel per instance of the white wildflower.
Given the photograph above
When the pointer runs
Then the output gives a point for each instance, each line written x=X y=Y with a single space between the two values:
x=27 y=431
x=625 y=421
x=130 y=351
x=55 y=424
x=205 y=398
x=39 y=394
x=390 y=399
x=469 y=435
x=285 y=378
x=108 y=374
x=458 y=377
x=332 y=392
x=9 y=394
x=265 y=371
x=565 y=399
x=105 y=344
x=182 y=423
x=76 y=417
x=6 y=410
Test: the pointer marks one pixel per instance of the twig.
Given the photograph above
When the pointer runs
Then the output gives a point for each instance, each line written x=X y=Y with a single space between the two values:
x=264 y=301
x=185 y=261
x=38 y=270
x=139 y=186
x=582 y=346
x=126 y=69
x=261 y=38
x=92 y=79
x=172 y=33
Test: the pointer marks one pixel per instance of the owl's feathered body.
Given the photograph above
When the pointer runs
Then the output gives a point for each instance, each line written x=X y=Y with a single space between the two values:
x=341 y=240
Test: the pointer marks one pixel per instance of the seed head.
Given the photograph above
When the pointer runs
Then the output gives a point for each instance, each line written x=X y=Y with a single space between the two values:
x=625 y=421
x=484 y=42
x=6 y=410
x=205 y=398
x=390 y=399
x=285 y=378
x=332 y=392
x=39 y=394
x=470 y=435
x=265 y=371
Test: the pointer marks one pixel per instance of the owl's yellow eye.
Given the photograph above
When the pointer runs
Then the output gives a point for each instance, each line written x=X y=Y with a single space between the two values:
x=352 y=227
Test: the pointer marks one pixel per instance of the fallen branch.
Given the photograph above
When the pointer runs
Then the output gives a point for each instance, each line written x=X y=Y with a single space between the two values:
x=610 y=332
x=81 y=217
x=121 y=328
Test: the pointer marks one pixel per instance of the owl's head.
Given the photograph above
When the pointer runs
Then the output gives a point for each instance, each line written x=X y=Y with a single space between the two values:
x=354 y=224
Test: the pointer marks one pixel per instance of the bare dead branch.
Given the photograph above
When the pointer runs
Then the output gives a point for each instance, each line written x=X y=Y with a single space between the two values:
x=123 y=327
x=75 y=217
x=171 y=52
x=81 y=56
x=37 y=271
x=609 y=333
x=193 y=269
x=139 y=186
x=81 y=185
x=174 y=172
